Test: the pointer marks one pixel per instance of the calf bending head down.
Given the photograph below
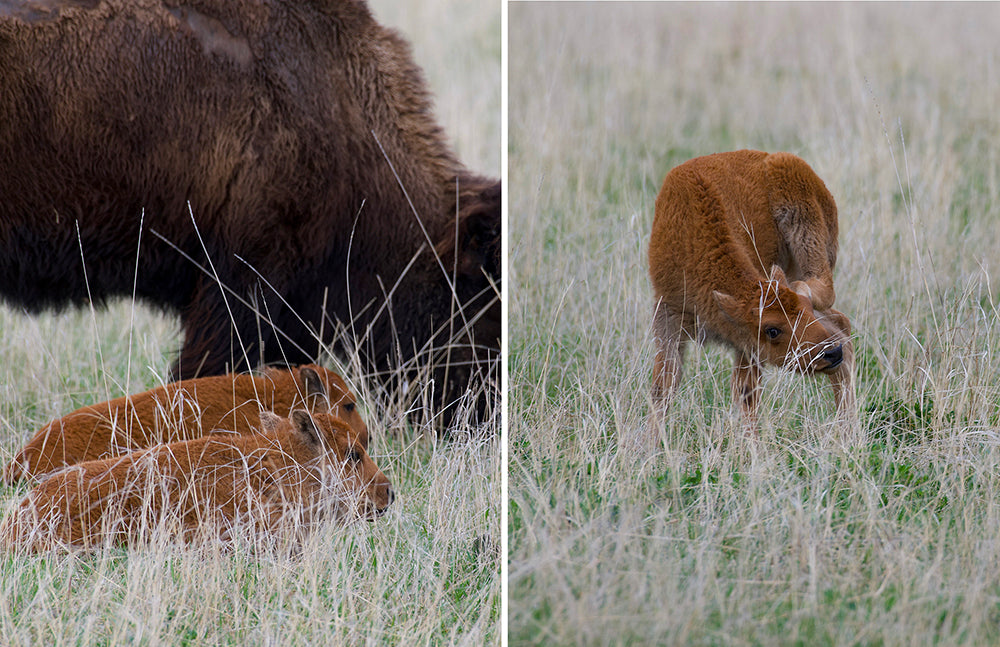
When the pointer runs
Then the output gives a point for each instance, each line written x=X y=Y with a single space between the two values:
x=780 y=328
x=742 y=251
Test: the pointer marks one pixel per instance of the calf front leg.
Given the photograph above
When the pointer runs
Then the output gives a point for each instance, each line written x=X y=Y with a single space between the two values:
x=746 y=385
x=842 y=379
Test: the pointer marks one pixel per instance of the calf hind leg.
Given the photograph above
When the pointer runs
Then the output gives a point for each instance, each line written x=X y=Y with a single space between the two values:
x=811 y=253
x=667 y=335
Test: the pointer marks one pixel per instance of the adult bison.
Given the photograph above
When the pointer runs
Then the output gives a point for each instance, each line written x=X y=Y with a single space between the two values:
x=268 y=169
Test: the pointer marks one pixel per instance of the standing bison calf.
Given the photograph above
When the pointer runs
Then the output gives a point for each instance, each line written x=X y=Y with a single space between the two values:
x=289 y=476
x=730 y=231
x=270 y=170
x=183 y=411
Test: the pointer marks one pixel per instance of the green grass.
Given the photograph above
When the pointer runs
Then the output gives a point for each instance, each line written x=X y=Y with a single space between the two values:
x=428 y=572
x=808 y=532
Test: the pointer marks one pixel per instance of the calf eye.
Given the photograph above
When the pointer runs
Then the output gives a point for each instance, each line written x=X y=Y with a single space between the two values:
x=349 y=407
x=354 y=456
x=772 y=332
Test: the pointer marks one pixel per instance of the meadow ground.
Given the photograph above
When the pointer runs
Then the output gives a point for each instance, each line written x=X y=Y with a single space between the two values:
x=426 y=573
x=809 y=533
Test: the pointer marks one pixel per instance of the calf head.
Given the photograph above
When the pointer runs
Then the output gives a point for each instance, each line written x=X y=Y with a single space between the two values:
x=325 y=444
x=780 y=327
x=325 y=391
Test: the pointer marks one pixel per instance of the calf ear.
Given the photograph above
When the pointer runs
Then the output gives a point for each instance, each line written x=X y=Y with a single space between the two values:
x=729 y=305
x=312 y=385
x=803 y=290
x=304 y=424
x=778 y=275
x=269 y=421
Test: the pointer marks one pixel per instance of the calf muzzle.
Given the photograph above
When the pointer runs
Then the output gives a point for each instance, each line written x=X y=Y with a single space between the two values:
x=833 y=357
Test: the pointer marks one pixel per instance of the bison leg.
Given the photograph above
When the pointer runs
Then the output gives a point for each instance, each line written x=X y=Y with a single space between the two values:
x=842 y=381
x=668 y=337
x=219 y=335
x=746 y=385
x=806 y=218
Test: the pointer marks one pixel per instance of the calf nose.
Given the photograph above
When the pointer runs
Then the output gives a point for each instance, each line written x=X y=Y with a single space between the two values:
x=834 y=356
x=375 y=509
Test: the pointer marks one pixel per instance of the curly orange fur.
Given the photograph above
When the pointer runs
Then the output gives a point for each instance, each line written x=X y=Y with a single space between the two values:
x=181 y=411
x=742 y=251
x=288 y=474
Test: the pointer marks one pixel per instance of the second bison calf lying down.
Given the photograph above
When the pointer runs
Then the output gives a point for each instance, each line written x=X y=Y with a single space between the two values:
x=742 y=251
x=293 y=473
x=183 y=411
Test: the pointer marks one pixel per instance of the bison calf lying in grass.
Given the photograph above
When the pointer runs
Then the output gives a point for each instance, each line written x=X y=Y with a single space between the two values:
x=731 y=230
x=183 y=411
x=291 y=474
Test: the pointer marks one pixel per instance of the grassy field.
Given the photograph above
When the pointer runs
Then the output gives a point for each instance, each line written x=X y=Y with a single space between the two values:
x=426 y=573
x=809 y=532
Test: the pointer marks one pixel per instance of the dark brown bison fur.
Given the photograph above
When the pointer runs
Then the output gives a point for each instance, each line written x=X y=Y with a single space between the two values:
x=273 y=166
x=183 y=411
x=287 y=476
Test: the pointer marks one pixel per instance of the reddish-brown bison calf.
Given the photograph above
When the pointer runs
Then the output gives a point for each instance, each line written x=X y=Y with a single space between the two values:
x=730 y=231
x=289 y=476
x=183 y=411
x=270 y=170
